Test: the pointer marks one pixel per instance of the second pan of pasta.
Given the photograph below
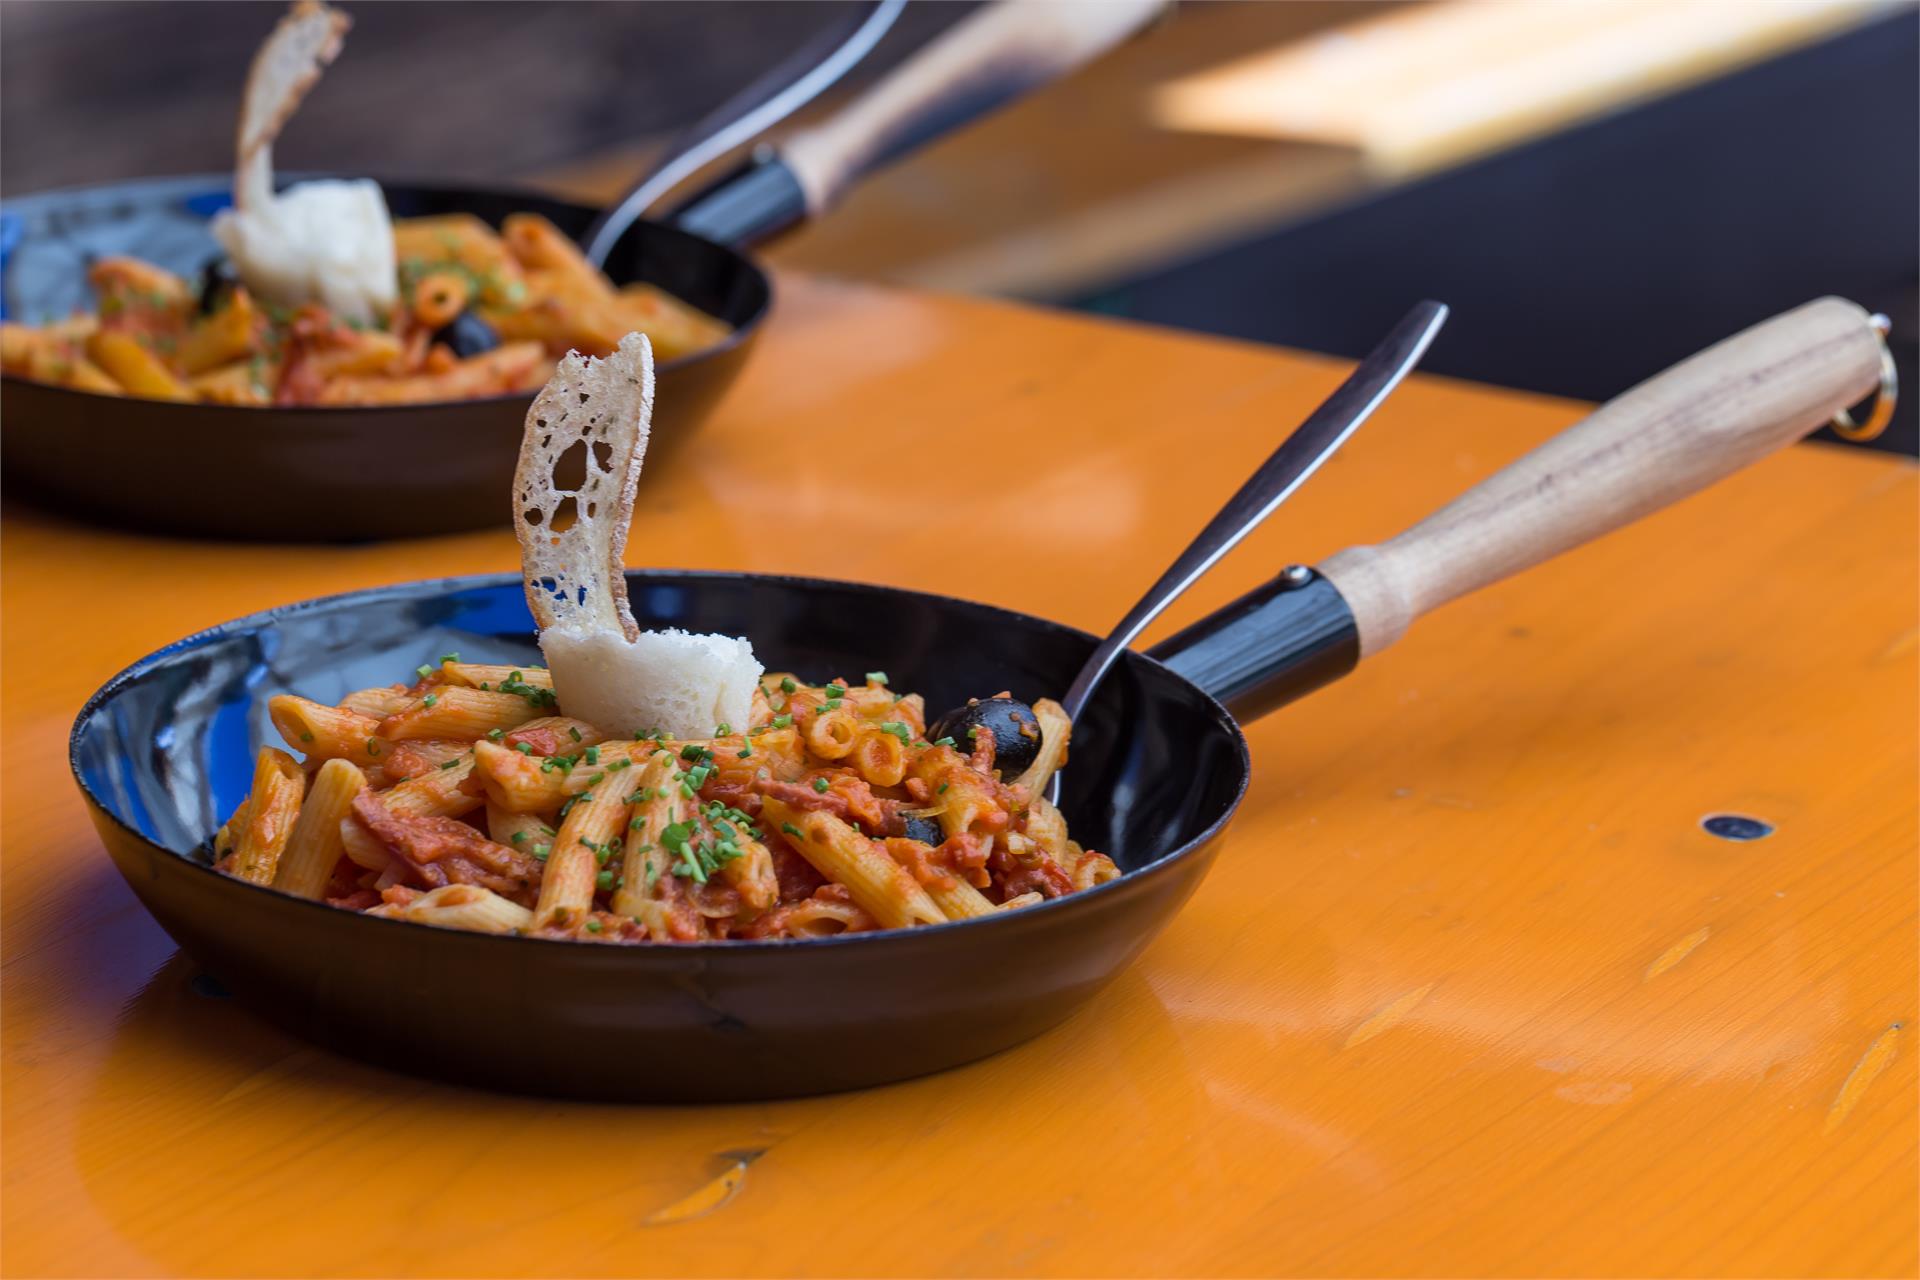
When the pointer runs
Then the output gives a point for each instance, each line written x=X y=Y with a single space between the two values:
x=231 y=355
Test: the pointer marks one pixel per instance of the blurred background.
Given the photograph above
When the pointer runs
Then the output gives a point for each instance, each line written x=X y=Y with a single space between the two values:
x=1598 y=187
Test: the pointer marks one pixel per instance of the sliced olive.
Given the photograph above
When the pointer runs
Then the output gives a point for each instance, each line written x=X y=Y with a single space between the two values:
x=925 y=830
x=218 y=279
x=1016 y=733
x=467 y=335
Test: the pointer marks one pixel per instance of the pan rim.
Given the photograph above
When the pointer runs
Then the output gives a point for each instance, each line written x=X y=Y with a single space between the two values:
x=741 y=333
x=1128 y=881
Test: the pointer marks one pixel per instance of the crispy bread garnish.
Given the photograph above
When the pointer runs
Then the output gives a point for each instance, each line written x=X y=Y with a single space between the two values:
x=287 y=65
x=599 y=412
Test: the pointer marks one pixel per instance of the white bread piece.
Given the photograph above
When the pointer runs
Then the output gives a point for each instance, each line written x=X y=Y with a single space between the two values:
x=329 y=242
x=605 y=670
x=675 y=682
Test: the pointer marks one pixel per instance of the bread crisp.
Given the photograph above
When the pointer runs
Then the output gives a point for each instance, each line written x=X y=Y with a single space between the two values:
x=304 y=42
x=573 y=545
x=604 y=408
x=328 y=241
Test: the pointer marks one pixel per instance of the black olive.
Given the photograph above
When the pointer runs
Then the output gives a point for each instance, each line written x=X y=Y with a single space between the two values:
x=925 y=830
x=218 y=279
x=467 y=335
x=1016 y=733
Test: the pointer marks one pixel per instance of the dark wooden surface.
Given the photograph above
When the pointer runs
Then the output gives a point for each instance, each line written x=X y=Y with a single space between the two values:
x=92 y=90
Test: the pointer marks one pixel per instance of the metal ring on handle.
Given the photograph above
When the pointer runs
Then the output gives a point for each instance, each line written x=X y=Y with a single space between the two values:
x=1883 y=400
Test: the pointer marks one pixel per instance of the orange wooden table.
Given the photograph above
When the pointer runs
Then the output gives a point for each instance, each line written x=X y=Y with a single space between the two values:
x=1470 y=991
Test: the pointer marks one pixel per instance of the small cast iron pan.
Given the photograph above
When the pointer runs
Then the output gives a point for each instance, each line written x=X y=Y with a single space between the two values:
x=334 y=474
x=164 y=752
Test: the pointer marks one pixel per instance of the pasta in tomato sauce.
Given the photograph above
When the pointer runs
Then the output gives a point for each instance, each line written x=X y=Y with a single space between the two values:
x=830 y=812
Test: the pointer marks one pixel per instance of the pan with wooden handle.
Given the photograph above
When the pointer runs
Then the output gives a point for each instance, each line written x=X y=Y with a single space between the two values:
x=1159 y=766
x=300 y=472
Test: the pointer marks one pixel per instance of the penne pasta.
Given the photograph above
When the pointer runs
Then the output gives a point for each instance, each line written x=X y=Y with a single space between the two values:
x=527 y=832
x=879 y=885
x=378 y=703
x=465 y=714
x=539 y=246
x=315 y=848
x=646 y=874
x=1048 y=829
x=466 y=906
x=956 y=899
x=486 y=675
x=675 y=328
x=831 y=734
x=1055 y=730
x=272 y=806
x=320 y=732
x=879 y=756
x=227 y=335
x=136 y=368
x=752 y=876
x=242 y=383
x=589 y=835
x=823 y=918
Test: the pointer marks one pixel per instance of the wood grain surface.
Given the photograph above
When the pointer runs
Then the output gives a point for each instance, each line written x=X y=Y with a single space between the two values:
x=1471 y=991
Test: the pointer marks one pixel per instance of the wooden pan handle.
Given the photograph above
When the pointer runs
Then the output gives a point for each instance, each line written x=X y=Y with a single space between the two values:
x=985 y=61
x=1672 y=435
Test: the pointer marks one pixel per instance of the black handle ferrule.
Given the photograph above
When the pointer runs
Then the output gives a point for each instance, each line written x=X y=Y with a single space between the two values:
x=1277 y=643
x=753 y=202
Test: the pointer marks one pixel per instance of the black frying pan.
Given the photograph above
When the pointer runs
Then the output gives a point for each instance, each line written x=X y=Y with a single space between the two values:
x=377 y=472
x=164 y=752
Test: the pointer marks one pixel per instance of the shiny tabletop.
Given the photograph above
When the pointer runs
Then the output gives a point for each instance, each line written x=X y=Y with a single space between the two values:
x=1473 y=989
